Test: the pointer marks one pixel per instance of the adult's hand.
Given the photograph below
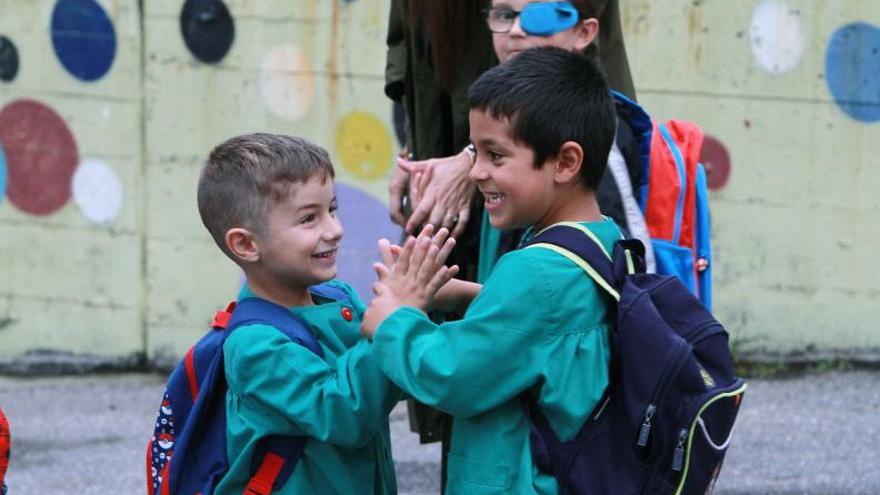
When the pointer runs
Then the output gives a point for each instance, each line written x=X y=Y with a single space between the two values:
x=396 y=193
x=444 y=192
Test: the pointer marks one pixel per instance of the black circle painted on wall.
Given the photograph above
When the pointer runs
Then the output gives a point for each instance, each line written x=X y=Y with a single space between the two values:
x=8 y=59
x=207 y=28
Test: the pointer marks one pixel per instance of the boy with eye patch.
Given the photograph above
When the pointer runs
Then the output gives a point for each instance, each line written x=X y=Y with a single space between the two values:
x=519 y=25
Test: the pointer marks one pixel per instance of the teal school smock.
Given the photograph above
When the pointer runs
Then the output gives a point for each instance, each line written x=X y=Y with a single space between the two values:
x=539 y=320
x=340 y=402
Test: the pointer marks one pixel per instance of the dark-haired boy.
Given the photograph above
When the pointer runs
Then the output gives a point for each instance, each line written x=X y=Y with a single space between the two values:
x=542 y=125
x=269 y=203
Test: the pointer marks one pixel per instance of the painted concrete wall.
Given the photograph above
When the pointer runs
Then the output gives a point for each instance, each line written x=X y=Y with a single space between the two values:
x=111 y=108
x=791 y=91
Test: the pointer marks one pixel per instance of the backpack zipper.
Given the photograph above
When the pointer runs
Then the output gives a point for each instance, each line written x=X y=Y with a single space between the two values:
x=672 y=367
x=678 y=455
x=738 y=387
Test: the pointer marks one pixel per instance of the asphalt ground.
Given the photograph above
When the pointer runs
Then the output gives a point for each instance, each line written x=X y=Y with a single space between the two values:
x=811 y=434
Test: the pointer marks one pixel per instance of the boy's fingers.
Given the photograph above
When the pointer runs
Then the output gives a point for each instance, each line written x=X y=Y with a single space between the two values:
x=402 y=263
x=427 y=230
x=429 y=266
x=385 y=252
x=441 y=236
x=382 y=271
x=419 y=254
x=447 y=248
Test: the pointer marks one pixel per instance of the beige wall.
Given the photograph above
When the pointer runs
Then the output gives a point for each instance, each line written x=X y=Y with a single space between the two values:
x=791 y=227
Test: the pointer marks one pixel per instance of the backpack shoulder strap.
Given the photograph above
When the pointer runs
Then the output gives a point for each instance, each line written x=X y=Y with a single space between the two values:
x=329 y=291
x=568 y=239
x=255 y=310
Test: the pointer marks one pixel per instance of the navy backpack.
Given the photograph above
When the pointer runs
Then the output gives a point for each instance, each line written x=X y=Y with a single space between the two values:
x=666 y=418
x=187 y=453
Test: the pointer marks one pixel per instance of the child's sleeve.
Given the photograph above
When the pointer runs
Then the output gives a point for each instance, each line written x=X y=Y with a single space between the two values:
x=294 y=392
x=469 y=366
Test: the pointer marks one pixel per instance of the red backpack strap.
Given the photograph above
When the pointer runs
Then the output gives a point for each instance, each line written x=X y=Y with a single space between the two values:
x=5 y=445
x=262 y=481
x=221 y=318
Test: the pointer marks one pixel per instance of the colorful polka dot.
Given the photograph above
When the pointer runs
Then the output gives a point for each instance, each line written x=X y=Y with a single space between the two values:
x=83 y=38
x=97 y=191
x=777 y=36
x=716 y=159
x=208 y=29
x=852 y=70
x=8 y=59
x=287 y=82
x=2 y=174
x=363 y=145
x=41 y=156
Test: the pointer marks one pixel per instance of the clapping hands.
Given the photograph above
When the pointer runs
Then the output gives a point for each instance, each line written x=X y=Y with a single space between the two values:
x=410 y=275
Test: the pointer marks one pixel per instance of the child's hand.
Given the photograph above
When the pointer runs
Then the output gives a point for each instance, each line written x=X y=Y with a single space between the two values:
x=415 y=272
x=409 y=276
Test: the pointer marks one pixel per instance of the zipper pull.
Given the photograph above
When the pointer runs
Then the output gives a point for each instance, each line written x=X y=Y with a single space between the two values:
x=645 y=430
x=678 y=456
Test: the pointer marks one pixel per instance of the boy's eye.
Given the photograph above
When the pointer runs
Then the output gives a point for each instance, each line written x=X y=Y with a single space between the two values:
x=308 y=218
x=494 y=156
x=333 y=209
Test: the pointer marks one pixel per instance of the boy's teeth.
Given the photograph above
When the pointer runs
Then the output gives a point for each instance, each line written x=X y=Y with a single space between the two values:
x=493 y=197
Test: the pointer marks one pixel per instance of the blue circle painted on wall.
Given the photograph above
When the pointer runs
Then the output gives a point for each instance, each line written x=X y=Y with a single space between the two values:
x=852 y=69
x=2 y=174
x=83 y=38
x=365 y=220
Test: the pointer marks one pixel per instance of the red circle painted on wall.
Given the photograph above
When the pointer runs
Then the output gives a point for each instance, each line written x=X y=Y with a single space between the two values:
x=716 y=159
x=41 y=156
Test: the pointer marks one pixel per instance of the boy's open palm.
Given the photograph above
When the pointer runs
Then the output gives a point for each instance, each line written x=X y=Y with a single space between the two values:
x=409 y=276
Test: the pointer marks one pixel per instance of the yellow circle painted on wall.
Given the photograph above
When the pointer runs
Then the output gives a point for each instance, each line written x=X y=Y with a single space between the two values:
x=363 y=144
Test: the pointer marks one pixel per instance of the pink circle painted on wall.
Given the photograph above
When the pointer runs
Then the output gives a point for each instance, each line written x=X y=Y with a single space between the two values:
x=716 y=159
x=41 y=156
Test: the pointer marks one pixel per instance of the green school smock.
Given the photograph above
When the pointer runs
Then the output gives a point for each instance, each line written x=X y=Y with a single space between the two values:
x=539 y=323
x=340 y=402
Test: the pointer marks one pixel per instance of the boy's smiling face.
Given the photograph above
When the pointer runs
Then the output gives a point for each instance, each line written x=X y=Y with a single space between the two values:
x=301 y=235
x=509 y=44
x=516 y=194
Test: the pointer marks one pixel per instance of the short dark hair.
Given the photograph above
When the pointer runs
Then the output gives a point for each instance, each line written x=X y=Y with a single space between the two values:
x=550 y=96
x=247 y=175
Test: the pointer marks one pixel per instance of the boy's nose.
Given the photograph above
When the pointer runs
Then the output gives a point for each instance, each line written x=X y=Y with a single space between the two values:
x=334 y=230
x=478 y=171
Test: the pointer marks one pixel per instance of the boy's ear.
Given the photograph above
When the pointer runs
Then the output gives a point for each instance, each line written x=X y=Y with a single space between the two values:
x=242 y=243
x=586 y=32
x=569 y=161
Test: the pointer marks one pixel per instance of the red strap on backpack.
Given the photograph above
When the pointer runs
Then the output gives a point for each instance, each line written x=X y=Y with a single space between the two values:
x=262 y=481
x=221 y=318
x=5 y=444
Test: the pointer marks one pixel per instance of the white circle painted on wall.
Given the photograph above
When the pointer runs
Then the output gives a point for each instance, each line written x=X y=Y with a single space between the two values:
x=287 y=82
x=97 y=191
x=777 y=36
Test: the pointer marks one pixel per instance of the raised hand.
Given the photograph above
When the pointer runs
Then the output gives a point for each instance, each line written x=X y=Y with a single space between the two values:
x=410 y=275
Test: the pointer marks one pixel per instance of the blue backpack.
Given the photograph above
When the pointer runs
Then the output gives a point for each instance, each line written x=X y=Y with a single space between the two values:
x=187 y=454
x=666 y=418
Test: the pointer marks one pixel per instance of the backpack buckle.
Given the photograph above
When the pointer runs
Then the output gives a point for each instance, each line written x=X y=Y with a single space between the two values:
x=221 y=318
